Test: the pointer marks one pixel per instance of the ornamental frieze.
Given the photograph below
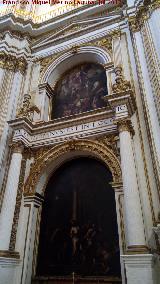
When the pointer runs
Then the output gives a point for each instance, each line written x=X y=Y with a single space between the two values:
x=63 y=134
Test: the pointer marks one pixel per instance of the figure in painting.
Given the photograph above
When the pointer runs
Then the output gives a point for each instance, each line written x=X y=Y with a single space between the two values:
x=78 y=229
x=81 y=89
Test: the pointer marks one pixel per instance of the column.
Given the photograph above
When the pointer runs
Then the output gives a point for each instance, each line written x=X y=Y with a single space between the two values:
x=9 y=201
x=134 y=226
x=139 y=264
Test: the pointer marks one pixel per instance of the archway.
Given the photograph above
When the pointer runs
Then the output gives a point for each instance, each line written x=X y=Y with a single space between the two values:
x=78 y=226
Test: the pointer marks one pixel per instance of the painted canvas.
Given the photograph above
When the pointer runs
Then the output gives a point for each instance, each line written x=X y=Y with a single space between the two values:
x=81 y=89
x=78 y=225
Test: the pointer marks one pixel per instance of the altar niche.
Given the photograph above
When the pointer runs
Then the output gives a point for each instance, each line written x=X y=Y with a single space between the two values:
x=78 y=231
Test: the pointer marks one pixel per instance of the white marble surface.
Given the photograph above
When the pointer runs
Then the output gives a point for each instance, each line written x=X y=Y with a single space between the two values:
x=133 y=214
x=9 y=201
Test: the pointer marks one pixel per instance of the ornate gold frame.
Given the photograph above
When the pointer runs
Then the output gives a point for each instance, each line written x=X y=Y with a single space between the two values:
x=45 y=157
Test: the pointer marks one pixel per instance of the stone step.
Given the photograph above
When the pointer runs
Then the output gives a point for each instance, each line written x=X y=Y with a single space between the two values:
x=78 y=280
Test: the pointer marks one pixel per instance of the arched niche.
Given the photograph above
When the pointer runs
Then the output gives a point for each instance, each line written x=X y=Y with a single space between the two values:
x=70 y=59
x=47 y=161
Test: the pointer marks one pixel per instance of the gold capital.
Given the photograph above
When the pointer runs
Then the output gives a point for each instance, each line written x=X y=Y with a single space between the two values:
x=125 y=125
x=13 y=63
x=17 y=147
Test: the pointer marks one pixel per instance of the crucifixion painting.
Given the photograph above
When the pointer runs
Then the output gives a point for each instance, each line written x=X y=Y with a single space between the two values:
x=78 y=230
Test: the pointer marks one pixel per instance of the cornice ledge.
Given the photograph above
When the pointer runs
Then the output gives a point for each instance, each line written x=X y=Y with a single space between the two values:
x=27 y=26
x=64 y=34
x=21 y=122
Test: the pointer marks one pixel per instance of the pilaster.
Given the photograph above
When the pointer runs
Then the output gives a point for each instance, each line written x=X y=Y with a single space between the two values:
x=9 y=201
x=44 y=101
x=32 y=205
x=150 y=106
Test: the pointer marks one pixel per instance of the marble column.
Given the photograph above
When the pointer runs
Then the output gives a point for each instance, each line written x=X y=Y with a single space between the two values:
x=9 y=201
x=134 y=227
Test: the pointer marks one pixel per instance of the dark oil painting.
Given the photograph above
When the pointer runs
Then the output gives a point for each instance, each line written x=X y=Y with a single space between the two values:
x=81 y=89
x=78 y=230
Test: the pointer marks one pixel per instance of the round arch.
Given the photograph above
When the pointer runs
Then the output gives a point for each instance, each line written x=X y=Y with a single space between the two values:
x=51 y=159
x=71 y=58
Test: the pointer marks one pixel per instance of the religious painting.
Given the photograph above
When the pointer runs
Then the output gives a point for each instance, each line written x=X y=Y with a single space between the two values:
x=81 y=89
x=78 y=230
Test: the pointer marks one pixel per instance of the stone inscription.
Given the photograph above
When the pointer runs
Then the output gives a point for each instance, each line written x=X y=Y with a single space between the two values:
x=81 y=130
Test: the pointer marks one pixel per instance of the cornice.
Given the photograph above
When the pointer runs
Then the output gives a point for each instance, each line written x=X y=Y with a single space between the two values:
x=77 y=30
x=36 y=128
x=70 y=16
x=31 y=29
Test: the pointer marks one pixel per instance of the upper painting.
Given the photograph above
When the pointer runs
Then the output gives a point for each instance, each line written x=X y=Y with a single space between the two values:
x=81 y=89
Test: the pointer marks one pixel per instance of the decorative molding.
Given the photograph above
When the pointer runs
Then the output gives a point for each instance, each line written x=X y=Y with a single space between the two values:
x=122 y=98
x=13 y=63
x=36 y=199
x=111 y=142
x=36 y=135
x=155 y=5
x=44 y=157
x=122 y=223
x=125 y=125
x=147 y=118
x=146 y=171
x=9 y=254
x=137 y=249
x=104 y=42
x=143 y=13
